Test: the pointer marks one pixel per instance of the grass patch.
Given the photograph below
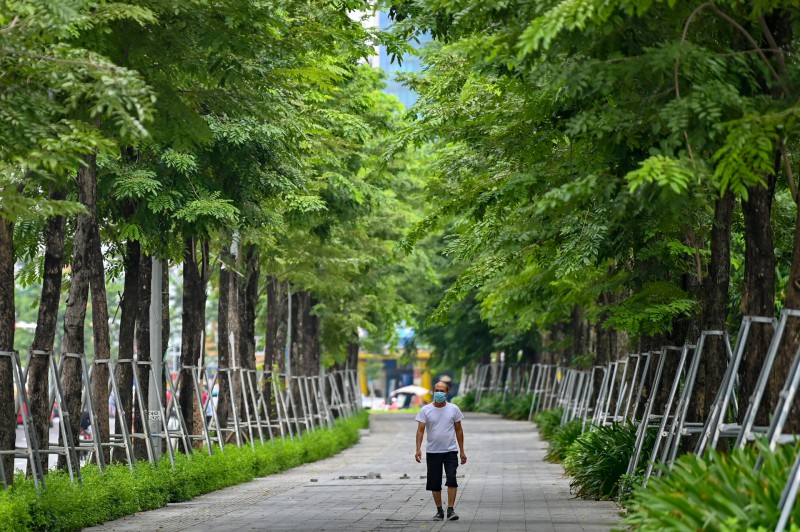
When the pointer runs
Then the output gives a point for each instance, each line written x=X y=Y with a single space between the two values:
x=401 y=411
x=119 y=491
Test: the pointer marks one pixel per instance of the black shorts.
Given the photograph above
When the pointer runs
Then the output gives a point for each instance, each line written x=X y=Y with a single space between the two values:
x=435 y=463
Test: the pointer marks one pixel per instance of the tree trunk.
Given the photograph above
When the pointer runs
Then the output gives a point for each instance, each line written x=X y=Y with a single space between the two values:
x=579 y=335
x=715 y=307
x=758 y=297
x=352 y=353
x=226 y=305
x=352 y=363
x=75 y=314
x=195 y=269
x=683 y=330
x=313 y=340
x=247 y=292
x=143 y=355
x=781 y=24
x=102 y=339
x=129 y=307
x=44 y=337
x=8 y=418
x=165 y=327
x=248 y=298
x=791 y=339
x=276 y=324
x=299 y=318
x=604 y=336
x=299 y=347
x=275 y=337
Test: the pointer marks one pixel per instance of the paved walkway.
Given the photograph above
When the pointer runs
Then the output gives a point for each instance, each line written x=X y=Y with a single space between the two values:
x=505 y=486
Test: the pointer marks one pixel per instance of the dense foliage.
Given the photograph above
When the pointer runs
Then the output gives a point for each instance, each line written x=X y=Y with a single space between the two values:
x=717 y=492
x=561 y=440
x=604 y=173
x=596 y=457
x=548 y=422
x=599 y=458
x=237 y=145
x=577 y=178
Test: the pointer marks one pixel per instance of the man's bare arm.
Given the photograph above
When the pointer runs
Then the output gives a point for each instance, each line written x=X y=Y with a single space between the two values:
x=460 y=440
x=420 y=433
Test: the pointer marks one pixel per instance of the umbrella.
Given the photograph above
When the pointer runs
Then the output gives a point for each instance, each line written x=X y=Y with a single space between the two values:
x=412 y=389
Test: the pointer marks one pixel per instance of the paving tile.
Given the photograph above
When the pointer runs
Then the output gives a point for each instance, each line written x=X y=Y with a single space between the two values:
x=506 y=486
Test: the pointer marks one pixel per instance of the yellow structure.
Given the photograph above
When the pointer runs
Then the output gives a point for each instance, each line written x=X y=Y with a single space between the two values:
x=422 y=374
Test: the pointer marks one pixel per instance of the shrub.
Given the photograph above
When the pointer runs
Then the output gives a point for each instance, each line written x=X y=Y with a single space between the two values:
x=599 y=457
x=627 y=485
x=562 y=439
x=465 y=402
x=547 y=421
x=514 y=407
x=519 y=406
x=118 y=491
x=716 y=492
x=491 y=404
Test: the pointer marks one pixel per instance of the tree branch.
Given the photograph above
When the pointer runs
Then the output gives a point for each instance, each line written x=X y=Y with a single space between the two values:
x=750 y=39
x=676 y=69
x=694 y=13
x=756 y=48
x=88 y=64
x=772 y=42
x=11 y=26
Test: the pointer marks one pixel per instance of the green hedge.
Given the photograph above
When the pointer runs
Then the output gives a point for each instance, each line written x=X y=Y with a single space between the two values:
x=118 y=491
x=514 y=407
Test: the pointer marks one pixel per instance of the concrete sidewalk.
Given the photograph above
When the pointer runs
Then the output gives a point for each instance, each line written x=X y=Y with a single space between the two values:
x=377 y=485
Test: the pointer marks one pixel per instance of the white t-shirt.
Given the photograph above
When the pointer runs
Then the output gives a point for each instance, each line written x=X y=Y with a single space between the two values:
x=440 y=425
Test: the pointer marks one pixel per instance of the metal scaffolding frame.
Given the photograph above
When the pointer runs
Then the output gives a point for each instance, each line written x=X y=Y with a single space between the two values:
x=648 y=418
x=718 y=425
x=250 y=417
x=624 y=389
x=32 y=450
x=680 y=427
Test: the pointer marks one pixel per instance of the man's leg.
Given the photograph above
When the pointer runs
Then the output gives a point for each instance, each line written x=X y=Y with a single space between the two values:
x=437 y=497
x=434 y=482
x=450 y=468
x=451 y=497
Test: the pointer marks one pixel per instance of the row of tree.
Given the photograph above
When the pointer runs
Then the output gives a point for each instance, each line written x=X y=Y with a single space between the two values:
x=239 y=140
x=610 y=176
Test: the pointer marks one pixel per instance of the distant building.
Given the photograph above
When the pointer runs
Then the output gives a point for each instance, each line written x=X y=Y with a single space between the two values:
x=382 y=60
x=411 y=63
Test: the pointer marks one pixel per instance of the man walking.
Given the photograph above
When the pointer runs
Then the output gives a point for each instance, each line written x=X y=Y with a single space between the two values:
x=445 y=438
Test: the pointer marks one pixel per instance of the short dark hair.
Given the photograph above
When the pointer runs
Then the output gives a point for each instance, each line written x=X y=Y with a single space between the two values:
x=443 y=382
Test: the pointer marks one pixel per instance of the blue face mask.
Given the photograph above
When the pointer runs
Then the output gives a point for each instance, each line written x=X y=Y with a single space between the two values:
x=439 y=397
